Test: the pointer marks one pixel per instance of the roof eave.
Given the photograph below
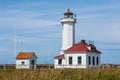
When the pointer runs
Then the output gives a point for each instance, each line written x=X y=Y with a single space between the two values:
x=76 y=52
x=83 y=52
x=59 y=58
x=22 y=58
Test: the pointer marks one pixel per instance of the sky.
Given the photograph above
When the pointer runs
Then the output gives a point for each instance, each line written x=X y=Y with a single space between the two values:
x=34 y=25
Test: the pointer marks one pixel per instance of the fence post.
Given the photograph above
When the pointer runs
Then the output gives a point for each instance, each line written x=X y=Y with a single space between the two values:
x=49 y=66
x=4 y=67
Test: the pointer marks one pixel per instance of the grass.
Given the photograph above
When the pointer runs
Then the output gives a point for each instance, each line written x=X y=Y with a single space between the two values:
x=60 y=74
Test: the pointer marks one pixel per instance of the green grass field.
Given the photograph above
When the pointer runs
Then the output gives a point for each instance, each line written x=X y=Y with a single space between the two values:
x=60 y=74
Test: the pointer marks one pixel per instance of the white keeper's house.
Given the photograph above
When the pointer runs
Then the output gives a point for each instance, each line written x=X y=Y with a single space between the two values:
x=75 y=55
x=26 y=60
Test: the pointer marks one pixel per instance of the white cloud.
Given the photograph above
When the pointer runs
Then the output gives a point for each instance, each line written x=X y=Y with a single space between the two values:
x=25 y=4
x=25 y=23
x=98 y=8
x=19 y=13
x=24 y=19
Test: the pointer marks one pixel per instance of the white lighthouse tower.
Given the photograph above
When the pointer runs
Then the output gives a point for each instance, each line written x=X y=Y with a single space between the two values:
x=68 y=30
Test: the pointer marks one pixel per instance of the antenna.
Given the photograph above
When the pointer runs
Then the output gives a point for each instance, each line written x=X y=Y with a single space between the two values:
x=15 y=45
x=21 y=45
x=14 y=40
x=91 y=42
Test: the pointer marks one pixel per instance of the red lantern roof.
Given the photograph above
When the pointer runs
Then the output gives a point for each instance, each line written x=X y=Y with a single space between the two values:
x=68 y=12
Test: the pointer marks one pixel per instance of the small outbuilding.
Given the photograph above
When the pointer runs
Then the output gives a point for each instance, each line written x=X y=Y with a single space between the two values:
x=26 y=60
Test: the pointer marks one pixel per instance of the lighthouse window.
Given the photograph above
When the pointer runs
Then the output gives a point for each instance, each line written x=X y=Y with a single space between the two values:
x=66 y=16
x=79 y=60
x=59 y=61
x=71 y=16
x=70 y=60
x=97 y=60
x=89 y=60
x=93 y=49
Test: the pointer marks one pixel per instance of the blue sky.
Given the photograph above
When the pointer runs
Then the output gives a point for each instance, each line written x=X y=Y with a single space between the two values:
x=36 y=22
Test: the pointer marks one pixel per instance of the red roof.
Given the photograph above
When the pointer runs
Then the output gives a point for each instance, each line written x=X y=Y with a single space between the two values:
x=25 y=55
x=60 y=56
x=82 y=47
x=68 y=12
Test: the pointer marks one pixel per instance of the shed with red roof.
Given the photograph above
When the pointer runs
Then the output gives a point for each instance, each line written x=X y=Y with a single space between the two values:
x=26 y=60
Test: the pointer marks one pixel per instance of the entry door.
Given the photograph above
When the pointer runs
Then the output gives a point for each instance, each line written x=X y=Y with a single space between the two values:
x=33 y=64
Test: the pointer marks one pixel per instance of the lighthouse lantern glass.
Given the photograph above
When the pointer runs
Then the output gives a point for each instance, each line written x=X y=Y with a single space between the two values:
x=68 y=15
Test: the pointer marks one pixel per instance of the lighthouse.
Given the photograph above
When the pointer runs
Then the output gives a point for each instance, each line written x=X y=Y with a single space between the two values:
x=75 y=55
x=68 y=30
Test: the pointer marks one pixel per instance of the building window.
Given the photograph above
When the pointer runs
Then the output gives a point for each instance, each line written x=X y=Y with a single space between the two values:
x=97 y=60
x=79 y=60
x=93 y=48
x=59 y=61
x=93 y=60
x=23 y=63
x=70 y=60
x=89 y=60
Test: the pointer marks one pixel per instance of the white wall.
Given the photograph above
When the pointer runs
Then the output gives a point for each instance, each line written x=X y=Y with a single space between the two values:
x=75 y=61
x=93 y=55
x=57 y=65
x=19 y=63
x=84 y=63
